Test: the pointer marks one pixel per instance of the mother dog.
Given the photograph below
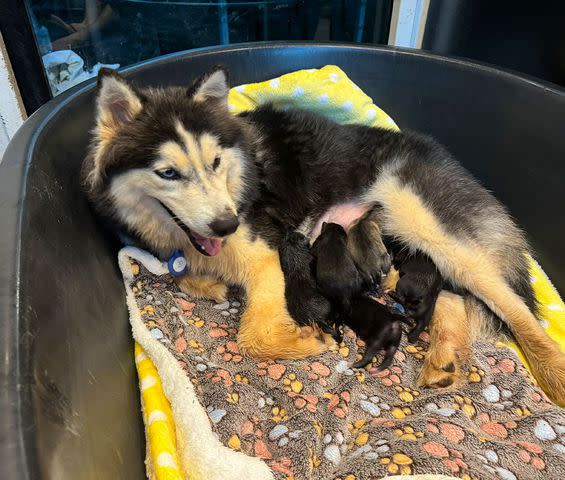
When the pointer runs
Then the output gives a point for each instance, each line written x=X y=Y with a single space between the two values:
x=174 y=169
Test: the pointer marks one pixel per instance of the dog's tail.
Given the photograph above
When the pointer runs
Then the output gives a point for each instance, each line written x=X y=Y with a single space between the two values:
x=544 y=356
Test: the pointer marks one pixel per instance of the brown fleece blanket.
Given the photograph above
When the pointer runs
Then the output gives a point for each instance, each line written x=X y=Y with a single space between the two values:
x=319 y=419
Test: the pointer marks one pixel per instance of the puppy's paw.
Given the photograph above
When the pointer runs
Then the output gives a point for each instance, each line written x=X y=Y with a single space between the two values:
x=385 y=263
x=414 y=335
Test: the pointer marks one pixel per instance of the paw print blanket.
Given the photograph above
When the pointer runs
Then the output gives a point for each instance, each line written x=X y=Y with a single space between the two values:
x=210 y=413
x=239 y=418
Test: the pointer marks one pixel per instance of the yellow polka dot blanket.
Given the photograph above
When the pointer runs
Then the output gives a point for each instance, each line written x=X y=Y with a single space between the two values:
x=210 y=413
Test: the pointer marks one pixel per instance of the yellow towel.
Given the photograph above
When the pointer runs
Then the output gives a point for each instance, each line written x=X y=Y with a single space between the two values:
x=329 y=92
x=162 y=459
x=552 y=308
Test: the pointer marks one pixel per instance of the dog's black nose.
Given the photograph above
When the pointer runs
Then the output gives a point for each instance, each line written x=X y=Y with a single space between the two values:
x=223 y=226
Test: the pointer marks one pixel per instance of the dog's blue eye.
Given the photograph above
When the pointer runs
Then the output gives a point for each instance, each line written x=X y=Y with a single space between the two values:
x=216 y=163
x=168 y=174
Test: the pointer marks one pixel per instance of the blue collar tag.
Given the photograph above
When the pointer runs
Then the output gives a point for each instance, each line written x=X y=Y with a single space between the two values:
x=177 y=263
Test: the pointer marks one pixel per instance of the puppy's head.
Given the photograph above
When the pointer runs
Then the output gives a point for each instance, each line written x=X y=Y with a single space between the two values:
x=332 y=240
x=171 y=162
x=413 y=294
x=333 y=231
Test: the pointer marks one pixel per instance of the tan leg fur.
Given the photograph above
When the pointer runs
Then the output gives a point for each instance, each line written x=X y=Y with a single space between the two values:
x=203 y=288
x=266 y=330
x=450 y=343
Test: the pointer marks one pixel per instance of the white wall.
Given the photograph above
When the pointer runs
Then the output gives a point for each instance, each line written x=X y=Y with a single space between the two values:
x=12 y=113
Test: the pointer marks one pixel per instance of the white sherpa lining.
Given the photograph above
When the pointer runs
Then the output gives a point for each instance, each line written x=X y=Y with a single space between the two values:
x=202 y=454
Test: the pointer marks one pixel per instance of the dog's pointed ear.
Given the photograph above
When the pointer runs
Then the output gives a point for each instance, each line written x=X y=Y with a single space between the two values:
x=212 y=86
x=117 y=104
x=324 y=226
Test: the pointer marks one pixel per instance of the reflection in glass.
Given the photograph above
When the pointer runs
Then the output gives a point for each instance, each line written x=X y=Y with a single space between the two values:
x=77 y=37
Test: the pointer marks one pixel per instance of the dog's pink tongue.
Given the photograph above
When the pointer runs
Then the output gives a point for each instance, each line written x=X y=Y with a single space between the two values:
x=212 y=246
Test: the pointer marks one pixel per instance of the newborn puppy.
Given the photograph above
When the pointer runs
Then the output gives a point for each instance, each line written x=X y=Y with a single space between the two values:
x=366 y=246
x=336 y=273
x=417 y=289
x=304 y=302
x=378 y=326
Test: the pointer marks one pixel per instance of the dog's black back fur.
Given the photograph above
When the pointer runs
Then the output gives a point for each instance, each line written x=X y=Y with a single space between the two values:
x=296 y=170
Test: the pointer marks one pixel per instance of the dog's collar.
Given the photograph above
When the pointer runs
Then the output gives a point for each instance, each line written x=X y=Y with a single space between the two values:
x=177 y=263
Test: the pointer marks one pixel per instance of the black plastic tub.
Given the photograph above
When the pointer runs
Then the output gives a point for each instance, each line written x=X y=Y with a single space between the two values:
x=69 y=406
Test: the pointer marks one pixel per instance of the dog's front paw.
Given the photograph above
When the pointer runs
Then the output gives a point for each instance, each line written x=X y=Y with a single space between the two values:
x=326 y=338
x=203 y=288
x=330 y=341
x=218 y=292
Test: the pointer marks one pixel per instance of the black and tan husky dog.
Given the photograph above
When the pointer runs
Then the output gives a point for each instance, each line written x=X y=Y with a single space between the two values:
x=174 y=169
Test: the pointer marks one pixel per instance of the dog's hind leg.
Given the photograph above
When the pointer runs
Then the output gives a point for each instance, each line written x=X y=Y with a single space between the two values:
x=472 y=265
x=450 y=343
x=266 y=329
x=203 y=288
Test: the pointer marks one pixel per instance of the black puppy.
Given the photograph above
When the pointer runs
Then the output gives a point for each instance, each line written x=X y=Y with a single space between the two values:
x=304 y=302
x=378 y=326
x=339 y=280
x=417 y=289
x=336 y=274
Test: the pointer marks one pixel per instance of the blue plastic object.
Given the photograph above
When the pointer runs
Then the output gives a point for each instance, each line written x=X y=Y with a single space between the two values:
x=177 y=263
x=398 y=307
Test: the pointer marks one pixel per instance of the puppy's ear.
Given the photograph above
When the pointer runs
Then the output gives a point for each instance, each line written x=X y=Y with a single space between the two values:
x=117 y=103
x=324 y=226
x=211 y=86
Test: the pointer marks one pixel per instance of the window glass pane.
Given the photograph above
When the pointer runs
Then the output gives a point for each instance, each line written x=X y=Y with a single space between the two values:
x=77 y=37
